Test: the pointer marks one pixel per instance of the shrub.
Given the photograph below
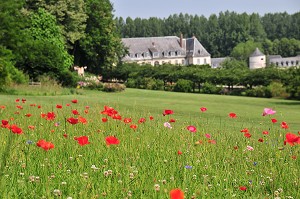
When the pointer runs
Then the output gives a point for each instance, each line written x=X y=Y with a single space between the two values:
x=183 y=85
x=209 y=88
x=260 y=91
x=113 y=87
x=153 y=84
x=278 y=90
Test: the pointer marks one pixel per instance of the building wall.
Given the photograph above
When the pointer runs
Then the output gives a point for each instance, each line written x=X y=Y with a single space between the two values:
x=257 y=62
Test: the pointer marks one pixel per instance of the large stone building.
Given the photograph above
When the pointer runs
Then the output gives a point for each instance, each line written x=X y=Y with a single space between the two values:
x=170 y=49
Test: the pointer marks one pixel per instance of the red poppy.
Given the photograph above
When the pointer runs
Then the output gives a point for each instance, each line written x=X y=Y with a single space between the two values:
x=265 y=132
x=28 y=115
x=17 y=100
x=23 y=100
x=294 y=157
x=74 y=101
x=151 y=117
x=104 y=119
x=31 y=127
x=273 y=120
x=59 y=106
x=232 y=115
x=109 y=111
x=247 y=135
x=86 y=111
x=284 y=125
x=50 y=116
x=4 y=122
x=243 y=188
x=261 y=140
x=212 y=141
x=68 y=104
x=179 y=152
x=127 y=120
x=172 y=120
x=133 y=126
x=65 y=135
x=111 y=140
x=83 y=140
x=176 y=194
x=142 y=120
x=117 y=117
x=43 y=115
x=236 y=147
x=19 y=107
x=32 y=105
x=82 y=120
x=72 y=120
x=39 y=106
x=45 y=145
x=167 y=112
x=15 y=129
x=2 y=107
x=203 y=109
x=75 y=112
x=292 y=139
x=245 y=130
x=192 y=129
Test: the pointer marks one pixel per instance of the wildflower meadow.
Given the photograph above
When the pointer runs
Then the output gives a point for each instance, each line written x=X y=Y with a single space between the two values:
x=148 y=144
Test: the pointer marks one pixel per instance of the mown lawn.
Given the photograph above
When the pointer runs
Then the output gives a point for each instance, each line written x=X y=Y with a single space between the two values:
x=216 y=161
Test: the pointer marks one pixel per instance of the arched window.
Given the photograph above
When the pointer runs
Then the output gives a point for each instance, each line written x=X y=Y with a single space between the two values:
x=156 y=63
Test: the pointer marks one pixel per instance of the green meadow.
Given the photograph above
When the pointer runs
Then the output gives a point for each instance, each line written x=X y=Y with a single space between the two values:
x=216 y=161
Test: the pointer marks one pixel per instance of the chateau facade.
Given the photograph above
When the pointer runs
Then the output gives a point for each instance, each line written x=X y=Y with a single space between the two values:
x=170 y=49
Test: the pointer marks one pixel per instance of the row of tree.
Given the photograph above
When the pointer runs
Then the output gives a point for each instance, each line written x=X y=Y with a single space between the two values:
x=219 y=34
x=233 y=74
x=50 y=36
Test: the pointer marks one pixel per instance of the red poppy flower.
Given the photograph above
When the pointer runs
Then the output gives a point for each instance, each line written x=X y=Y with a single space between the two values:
x=104 y=119
x=39 y=106
x=72 y=120
x=245 y=130
x=232 y=115
x=17 y=100
x=75 y=112
x=151 y=117
x=74 y=101
x=111 y=140
x=86 y=111
x=59 y=106
x=261 y=140
x=192 y=129
x=4 y=122
x=109 y=111
x=28 y=115
x=176 y=194
x=265 y=132
x=32 y=105
x=247 y=135
x=212 y=141
x=82 y=120
x=45 y=145
x=15 y=129
x=284 y=125
x=2 y=107
x=83 y=140
x=203 y=109
x=172 y=120
x=236 y=147
x=292 y=139
x=273 y=120
x=243 y=188
x=117 y=117
x=127 y=120
x=19 y=107
x=31 y=127
x=142 y=120
x=167 y=112
x=179 y=152
x=23 y=100
x=65 y=135
x=294 y=157
x=133 y=126
x=68 y=104
x=50 y=116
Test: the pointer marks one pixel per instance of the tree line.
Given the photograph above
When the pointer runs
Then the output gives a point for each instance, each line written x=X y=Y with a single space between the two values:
x=39 y=37
x=219 y=34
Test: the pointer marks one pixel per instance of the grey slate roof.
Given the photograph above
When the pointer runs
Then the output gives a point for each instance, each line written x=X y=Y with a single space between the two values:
x=216 y=62
x=163 y=45
x=256 y=53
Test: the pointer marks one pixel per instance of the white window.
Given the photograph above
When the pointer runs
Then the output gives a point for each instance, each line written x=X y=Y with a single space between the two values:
x=155 y=54
x=205 y=61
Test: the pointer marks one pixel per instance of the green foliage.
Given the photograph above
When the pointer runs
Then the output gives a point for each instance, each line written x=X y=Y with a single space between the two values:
x=183 y=85
x=242 y=51
x=259 y=91
x=209 y=88
x=278 y=90
x=113 y=87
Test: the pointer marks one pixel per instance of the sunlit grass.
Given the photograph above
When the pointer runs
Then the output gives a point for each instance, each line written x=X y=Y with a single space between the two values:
x=146 y=163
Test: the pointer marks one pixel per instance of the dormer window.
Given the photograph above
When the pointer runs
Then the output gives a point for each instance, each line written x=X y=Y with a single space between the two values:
x=155 y=54
x=138 y=55
x=177 y=53
x=131 y=55
x=172 y=53
x=146 y=54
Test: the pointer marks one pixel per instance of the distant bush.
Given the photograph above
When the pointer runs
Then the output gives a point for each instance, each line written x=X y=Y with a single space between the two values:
x=209 y=88
x=278 y=90
x=183 y=85
x=113 y=87
x=260 y=91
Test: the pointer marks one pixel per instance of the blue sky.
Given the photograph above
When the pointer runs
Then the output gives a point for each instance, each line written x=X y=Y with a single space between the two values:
x=164 y=8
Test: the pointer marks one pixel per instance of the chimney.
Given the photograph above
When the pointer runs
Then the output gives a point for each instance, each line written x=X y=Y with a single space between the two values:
x=181 y=40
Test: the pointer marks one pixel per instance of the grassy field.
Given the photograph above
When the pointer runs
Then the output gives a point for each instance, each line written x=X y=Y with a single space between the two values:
x=216 y=161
